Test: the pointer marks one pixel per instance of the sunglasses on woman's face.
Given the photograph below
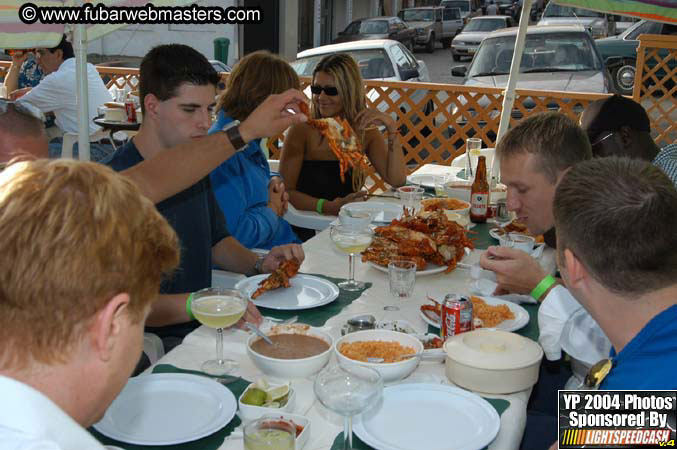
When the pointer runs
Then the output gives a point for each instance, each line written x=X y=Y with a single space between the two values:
x=329 y=90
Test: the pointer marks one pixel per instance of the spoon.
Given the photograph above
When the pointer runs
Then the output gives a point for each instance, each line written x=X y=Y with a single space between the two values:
x=361 y=321
x=380 y=360
x=260 y=333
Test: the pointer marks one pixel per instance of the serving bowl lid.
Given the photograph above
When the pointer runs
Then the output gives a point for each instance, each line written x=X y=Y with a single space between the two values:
x=493 y=349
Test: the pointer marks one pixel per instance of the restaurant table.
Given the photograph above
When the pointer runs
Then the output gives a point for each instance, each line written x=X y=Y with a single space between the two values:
x=322 y=258
x=113 y=126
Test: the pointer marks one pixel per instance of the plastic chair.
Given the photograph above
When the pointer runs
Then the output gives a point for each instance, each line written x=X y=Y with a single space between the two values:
x=461 y=160
x=308 y=219
x=69 y=139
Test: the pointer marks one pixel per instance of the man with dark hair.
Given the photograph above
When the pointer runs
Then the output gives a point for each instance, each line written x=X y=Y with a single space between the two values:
x=619 y=126
x=178 y=88
x=533 y=156
x=22 y=132
x=626 y=279
x=57 y=93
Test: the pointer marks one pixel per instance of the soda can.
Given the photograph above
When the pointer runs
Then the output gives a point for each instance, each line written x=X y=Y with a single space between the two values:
x=493 y=210
x=456 y=316
x=130 y=108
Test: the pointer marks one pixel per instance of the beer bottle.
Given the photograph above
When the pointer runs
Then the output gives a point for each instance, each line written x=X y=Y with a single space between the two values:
x=479 y=193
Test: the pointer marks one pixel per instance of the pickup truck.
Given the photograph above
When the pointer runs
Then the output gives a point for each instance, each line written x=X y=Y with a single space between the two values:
x=432 y=24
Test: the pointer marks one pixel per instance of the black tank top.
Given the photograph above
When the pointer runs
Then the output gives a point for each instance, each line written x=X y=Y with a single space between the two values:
x=322 y=179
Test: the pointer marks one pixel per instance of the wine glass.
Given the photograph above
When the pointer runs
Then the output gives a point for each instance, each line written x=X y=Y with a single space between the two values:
x=352 y=241
x=218 y=308
x=348 y=390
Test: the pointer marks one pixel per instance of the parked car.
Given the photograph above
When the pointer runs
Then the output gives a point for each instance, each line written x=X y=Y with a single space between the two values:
x=386 y=27
x=598 y=24
x=432 y=24
x=468 y=8
x=556 y=58
x=468 y=40
x=619 y=53
x=378 y=59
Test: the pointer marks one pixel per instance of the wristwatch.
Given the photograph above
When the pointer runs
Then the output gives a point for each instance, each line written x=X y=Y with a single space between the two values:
x=234 y=136
x=258 y=265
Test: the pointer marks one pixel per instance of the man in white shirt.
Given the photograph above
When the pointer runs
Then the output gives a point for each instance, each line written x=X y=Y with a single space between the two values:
x=83 y=256
x=57 y=93
x=492 y=9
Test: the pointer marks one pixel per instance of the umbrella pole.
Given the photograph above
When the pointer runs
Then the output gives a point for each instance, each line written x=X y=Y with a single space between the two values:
x=82 y=99
x=509 y=93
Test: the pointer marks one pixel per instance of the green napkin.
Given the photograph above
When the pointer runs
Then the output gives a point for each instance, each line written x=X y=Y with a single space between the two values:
x=211 y=442
x=499 y=405
x=318 y=316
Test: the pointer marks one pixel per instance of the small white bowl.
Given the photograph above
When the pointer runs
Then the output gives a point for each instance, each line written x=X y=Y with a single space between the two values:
x=518 y=241
x=389 y=371
x=253 y=412
x=301 y=439
x=292 y=368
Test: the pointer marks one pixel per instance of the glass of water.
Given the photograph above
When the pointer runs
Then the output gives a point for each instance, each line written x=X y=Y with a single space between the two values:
x=472 y=153
x=439 y=181
x=402 y=277
x=411 y=197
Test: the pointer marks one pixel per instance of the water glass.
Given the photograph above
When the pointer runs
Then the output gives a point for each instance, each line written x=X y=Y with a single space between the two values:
x=439 y=181
x=411 y=197
x=266 y=433
x=402 y=277
x=472 y=152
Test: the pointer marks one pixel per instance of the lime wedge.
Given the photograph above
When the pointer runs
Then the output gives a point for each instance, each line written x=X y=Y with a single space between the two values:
x=271 y=405
x=277 y=393
x=262 y=384
x=254 y=396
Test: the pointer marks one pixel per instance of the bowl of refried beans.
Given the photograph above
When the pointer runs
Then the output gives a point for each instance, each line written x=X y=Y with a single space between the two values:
x=298 y=351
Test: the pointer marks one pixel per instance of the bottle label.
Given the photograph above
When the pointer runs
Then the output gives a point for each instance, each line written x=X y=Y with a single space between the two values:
x=479 y=203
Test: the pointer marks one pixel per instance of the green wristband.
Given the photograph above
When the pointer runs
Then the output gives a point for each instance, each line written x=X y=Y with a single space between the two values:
x=320 y=203
x=189 y=300
x=545 y=284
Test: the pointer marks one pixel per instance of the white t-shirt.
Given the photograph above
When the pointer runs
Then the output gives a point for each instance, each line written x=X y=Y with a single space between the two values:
x=31 y=421
x=56 y=93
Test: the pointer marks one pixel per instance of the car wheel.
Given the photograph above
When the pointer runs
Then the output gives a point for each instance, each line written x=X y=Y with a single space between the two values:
x=446 y=43
x=624 y=77
x=456 y=57
x=430 y=45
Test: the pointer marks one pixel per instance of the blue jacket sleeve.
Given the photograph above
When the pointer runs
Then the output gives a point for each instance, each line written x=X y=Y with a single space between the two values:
x=240 y=185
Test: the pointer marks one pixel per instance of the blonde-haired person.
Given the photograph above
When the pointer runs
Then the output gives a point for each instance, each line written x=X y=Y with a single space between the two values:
x=252 y=200
x=309 y=167
x=83 y=257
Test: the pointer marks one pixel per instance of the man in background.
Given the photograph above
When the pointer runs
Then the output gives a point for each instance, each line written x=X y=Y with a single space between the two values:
x=619 y=126
x=83 y=257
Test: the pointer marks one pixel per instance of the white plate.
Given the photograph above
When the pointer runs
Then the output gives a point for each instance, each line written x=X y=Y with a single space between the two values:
x=431 y=417
x=380 y=211
x=306 y=291
x=167 y=409
x=432 y=269
x=520 y=321
x=428 y=179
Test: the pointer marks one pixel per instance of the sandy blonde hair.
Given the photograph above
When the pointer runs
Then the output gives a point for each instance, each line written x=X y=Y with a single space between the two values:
x=74 y=234
x=254 y=78
x=348 y=80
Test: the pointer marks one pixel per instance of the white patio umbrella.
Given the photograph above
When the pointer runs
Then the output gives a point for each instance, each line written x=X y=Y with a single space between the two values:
x=14 y=33
x=662 y=11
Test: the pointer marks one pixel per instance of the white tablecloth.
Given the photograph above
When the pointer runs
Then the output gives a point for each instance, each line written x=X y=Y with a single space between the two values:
x=321 y=257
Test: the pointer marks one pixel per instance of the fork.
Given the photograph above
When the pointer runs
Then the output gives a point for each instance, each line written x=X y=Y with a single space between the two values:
x=282 y=321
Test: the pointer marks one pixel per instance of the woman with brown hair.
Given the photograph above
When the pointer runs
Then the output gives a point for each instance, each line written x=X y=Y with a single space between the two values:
x=310 y=168
x=252 y=200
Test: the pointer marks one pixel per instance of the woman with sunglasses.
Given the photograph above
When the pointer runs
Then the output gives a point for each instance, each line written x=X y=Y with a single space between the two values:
x=309 y=167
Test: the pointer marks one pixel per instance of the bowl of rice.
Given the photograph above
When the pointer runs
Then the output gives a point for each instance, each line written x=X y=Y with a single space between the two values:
x=355 y=348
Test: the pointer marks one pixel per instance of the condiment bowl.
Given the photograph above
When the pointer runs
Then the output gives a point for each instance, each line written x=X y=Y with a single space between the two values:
x=253 y=412
x=296 y=419
x=517 y=241
x=357 y=220
x=389 y=371
x=291 y=368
